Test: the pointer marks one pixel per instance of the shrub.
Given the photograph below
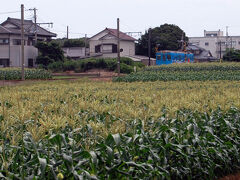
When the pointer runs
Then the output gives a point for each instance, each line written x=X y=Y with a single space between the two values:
x=124 y=68
x=56 y=66
x=127 y=61
x=69 y=65
x=139 y=64
x=44 y=61
x=104 y=63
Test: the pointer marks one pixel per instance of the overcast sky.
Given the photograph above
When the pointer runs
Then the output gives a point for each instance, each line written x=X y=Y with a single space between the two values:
x=91 y=16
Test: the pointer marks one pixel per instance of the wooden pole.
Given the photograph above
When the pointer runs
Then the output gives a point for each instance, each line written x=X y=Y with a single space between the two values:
x=67 y=32
x=85 y=45
x=35 y=24
x=118 y=37
x=22 y=39
x=149 y=47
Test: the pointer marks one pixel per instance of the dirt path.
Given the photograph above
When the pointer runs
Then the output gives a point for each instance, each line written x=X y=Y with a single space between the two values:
x=231 y=177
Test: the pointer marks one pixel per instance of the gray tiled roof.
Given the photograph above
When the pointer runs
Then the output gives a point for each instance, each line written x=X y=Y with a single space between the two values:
x=204 y=54
x=29 y=28
x=113 y=32
x=123 y=36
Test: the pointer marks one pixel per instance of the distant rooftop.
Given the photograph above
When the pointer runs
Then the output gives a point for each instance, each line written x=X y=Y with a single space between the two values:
x=213 y=33
x=29 y=28
x=113 y=32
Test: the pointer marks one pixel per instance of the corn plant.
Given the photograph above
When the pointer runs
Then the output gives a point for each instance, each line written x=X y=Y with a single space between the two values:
x=203 y=146
x=15 y=74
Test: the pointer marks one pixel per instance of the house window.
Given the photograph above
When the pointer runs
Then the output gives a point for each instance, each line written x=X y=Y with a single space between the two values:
x=4 y=41
x=159 y=57
x=16 y=41
x=114 y=48
x=98 y=49
x=206 y=44
x=4 y=62
x=30 y=63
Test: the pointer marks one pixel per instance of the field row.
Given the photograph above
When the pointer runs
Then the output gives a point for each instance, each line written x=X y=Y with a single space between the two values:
x=180 y=76
x=54 y=104
x=196 y=67
x=15 y=74
x=186 y=72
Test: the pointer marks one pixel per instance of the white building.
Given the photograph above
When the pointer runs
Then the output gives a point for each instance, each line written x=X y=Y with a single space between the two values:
x=10 y=42
x=216 y=42
x=76 y=52
x=104 y=44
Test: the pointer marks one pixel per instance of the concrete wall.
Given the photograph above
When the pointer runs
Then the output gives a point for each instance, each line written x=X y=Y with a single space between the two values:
x=75 y=51
x=13 y=53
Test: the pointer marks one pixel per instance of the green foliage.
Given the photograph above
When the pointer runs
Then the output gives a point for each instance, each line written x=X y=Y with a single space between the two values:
x=168 y=36
x=79 y=42
x=126 y=69
x=49 y=52
x=69 y=65
x=74 y=43
x=15 y=74
x=192 y=145
x=56 y=66
x=232 y=55
x=44 y=60
x=184 y=72
x=126 y=65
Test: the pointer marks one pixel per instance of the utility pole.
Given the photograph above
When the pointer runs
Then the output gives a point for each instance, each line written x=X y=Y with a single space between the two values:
x=22 y=39
x=220 y=49
x=226 y=38
x=85 y=45
x=35 y=23
x=118 y=36
x=67 y=32
x=182 y=41
x=149 y=47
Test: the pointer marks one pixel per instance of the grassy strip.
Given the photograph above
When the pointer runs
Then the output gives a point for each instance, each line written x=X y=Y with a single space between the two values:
x=192 y=145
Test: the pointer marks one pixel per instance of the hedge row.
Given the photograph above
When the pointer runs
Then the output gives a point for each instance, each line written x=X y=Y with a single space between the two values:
x=126 y=65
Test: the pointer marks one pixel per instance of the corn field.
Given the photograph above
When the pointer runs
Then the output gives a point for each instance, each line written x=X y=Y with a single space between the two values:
x=186 y=72
x=15 y=74
x=106 y=130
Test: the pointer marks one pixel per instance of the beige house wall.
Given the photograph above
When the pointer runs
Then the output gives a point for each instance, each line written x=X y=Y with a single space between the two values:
x=127 y=46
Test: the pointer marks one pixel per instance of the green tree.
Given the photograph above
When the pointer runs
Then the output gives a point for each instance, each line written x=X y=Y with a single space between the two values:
x=49 y=52
x=74 y=43
x=167 y=36
x=232 y=55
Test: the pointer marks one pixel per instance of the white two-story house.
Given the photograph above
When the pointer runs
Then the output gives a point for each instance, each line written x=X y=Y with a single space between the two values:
x=104 y=44
x=10 y=42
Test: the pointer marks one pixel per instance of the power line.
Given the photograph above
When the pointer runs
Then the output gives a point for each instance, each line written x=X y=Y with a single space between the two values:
x=12 y=12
